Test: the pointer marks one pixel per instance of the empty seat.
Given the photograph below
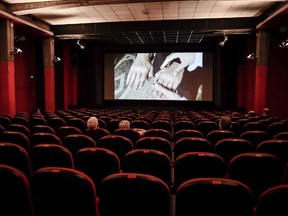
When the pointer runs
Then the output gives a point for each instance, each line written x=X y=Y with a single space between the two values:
x=191 y=144
x=129 y=133
x=16 y=138
x=255 y=136
x=75 y=142
x=78 y=123
x=183 y=124
x=214 y=196
x=258 y=171
x=281 y=135
x=37 y=121
x=15 y=193
x=133 y=194
x=198 y=165
x=147 y=161
x=206 y=127
x=155 y=132
x=63 y=191
x=156 y=143
x=215 y=136
x=20 y=120
x=19 y=128
x=4 y=121
x=17 y=157
x=120 y=145
x=67 y=130
x=44 y=138
x=97 y=163
x=162 y=124
x=50 y=155
x=97 y=134
x=230 y=147
x=276 y=147
x=277 y=127
x=187 y=133
x=254 y=126
x=113 y=125
x=42 y=129
x=140 y=124
x=273 y=201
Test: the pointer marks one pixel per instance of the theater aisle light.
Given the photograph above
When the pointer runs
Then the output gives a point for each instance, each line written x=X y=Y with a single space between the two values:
x=225 y=39
x=15 y=51
x=252 y=56
x=284 y=44
x=80 y=45
x=57 y=59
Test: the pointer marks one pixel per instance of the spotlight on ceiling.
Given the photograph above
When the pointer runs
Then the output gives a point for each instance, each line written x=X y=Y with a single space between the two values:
x=284 y=44
x=15 y=51
x=252 y=56
x=57 y=59
x=222 y=43
x=80 y=45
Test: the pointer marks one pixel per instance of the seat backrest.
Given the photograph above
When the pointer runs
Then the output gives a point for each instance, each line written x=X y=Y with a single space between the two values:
x=15 y=196
x=19 y=128
x=277 y=127
x=230 y=147
x=191 y=144
x=97 y=163
x=258 y=171
x=187 y=133
x=63 y=191
x=140 y=124
x=63 y=131
x=281 y=135
x=129 y=133
x=276 y=147
x=156 y=143
x=214 y=196
x=5 y=121
x=206 y=127
x=42 y=129
x=53 y=155
x=273 y=201
x=44 y=138
x=56 y=122
x=147 y=161
x=198 y=165
x=17 y=157
x=215 y=136
x=161 y=124
x=133 y=194
x=16 y=138
x=255 y=136
x=78 y=123
x=120 y=145
x=75 y=142
x=254 y=126
x=97 y=134
x=183 y=124
x=156 y=132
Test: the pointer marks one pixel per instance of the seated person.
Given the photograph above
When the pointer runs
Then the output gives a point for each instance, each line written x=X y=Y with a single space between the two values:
x=225 y=123
x=92 y=123
x=125 y=124
x=266 y=112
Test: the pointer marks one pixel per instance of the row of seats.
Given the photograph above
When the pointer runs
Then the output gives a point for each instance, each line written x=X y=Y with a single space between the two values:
x=64 y=191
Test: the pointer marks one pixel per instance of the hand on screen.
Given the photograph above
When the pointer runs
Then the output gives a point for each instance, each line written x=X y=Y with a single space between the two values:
x=185 y=58
x=166 y=78
x=164 y=93
x=140 y=70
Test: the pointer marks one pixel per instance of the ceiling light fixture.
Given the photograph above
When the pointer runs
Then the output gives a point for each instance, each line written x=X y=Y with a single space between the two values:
x=80 y=45
x=222 y=43
x=15 y=51
x=252 y=56
x=284 y=44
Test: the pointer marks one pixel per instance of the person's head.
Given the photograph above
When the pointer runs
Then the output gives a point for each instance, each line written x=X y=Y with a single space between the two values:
x=92 y=123
x=266 y=111
x=225 y=123
x=124 y=124
x=251 y=113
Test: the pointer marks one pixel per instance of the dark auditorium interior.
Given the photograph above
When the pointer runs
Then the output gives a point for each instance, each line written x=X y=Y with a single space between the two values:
x=174 y=69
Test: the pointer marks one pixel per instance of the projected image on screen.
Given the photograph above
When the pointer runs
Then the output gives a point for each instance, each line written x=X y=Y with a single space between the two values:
x=161 y=76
